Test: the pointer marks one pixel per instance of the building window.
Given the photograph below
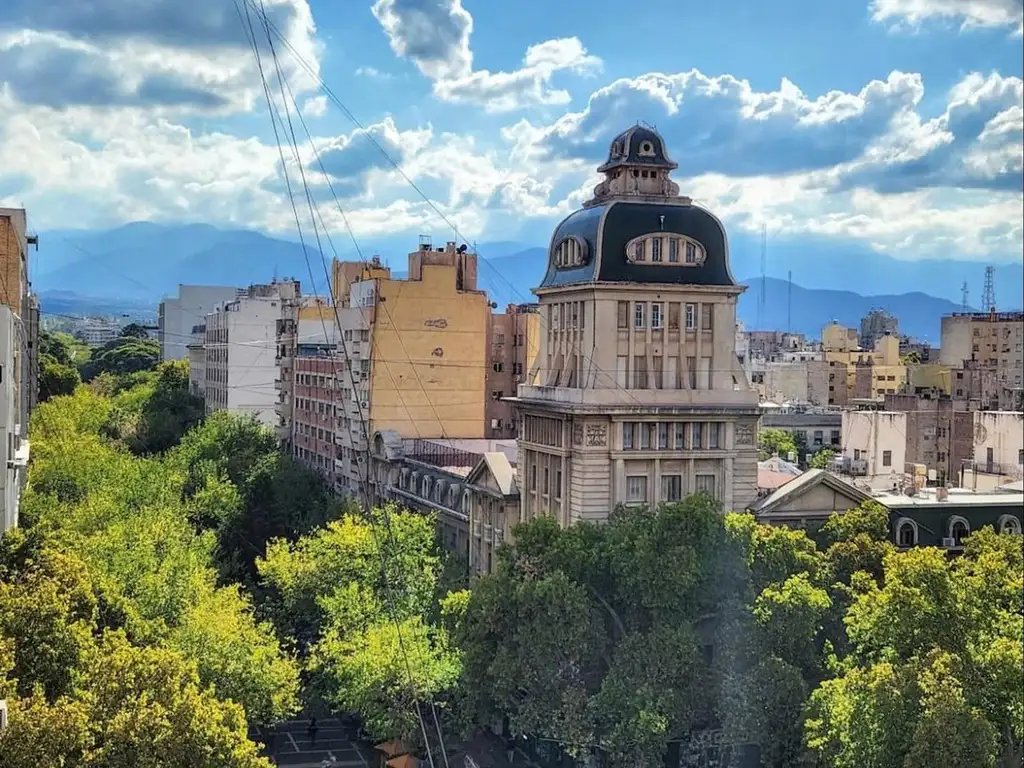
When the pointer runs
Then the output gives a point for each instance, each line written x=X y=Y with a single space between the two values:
x=662 y=435
x=680 y=436
x=706 y=316
x=533 y=477
x=558 y=484
x=714 y=434
x=886 y=458
x=547 y=480
x=906 y=533
x=499 y=338
x=639 y=315
x=645 y=436
x=691 y=316
x=958 y=530
x=656 y=316
x=1020 y=456
x=639 y=253
x=706 y=484
x=636 y=488
x=819 y=437
x=691 y=253
x=673 y=249
x=696 y=435
x=673 y=316
x=623 y=314
x=628 y=428
x=1008 y=524
x=656 y=249
x=671 y=487
x=498 y=367
x=835 y=435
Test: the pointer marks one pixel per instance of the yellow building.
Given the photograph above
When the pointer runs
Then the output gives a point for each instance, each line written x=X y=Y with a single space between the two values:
x=870 y=375
x=930 y=377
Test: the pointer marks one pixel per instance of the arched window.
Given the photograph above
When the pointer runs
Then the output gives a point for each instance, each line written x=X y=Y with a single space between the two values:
x=1008 y=524
x=570 y=252
x=906 y=532
x=666 y=249
x=959 y=529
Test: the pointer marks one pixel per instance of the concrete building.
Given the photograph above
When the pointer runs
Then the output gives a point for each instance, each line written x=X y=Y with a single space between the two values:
x=876 y=324
x=839 y=338
x=241 y=350
x=514 y=345
x=791 y=381
x=640 y=397
x=180 y=314
x=471 y=485
x=815 y=428
x=998 y=450
x=939 y=434
x=874 y=447
x=992 y=340
x=869 y=375
x=197 y=361
x=771 y=345
x=97 y=331
x=19 y=361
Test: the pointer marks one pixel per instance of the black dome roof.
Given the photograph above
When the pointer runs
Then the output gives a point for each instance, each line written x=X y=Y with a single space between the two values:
x=639 y=146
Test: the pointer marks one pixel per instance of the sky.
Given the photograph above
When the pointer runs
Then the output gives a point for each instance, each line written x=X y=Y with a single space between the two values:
x=895 y=124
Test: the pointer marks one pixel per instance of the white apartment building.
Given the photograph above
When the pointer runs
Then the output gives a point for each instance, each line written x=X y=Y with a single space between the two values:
x=241 y=352
x=14 y=448
x=874 y=447
x=179 y=314
x=641 y=398
x=197 y=361
x=998 y=450
x=97 y=332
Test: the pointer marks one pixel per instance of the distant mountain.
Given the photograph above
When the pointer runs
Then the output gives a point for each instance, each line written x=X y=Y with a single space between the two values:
x=144 y=261
x=70 y=303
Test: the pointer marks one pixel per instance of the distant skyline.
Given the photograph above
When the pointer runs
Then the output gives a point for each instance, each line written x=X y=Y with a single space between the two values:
x=896 y=125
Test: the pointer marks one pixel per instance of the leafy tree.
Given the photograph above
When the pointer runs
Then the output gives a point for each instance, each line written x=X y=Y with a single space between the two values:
x=134 y=331
x=775 y=442
x=154 y=414
x=123 y=355
x=56 y=378
x=821 y=459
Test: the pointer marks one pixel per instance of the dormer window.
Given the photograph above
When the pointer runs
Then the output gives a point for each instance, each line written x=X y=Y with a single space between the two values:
x=646 y=149
x=691 y=253
x=571 y=252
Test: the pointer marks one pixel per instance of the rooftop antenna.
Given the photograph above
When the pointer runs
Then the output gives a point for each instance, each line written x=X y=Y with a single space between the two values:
x=988 y=296
x=964 y=293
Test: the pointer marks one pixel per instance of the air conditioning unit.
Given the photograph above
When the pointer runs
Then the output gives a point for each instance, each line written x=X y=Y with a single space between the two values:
x=950 y=543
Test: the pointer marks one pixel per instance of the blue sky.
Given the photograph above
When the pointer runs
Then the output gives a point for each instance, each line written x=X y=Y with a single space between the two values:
x=894 y=124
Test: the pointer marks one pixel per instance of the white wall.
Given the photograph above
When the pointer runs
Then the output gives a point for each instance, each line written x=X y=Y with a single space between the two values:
x=251 y=352
x=179 y=314
x=869 y=435
x=13 y=450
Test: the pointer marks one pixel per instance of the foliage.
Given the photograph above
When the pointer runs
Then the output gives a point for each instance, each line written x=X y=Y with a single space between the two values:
x=134 y=331
x=775 y=442
x=821 y=459
x=356 y=595
x=55 y=378
x=122 y=355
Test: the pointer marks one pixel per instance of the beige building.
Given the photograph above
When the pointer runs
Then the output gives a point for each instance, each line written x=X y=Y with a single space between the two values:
x=998 y=450
x=791 y=381
x=939 y=434
x=869 y=375
x=990 y=340
x=514 y=345
x=640 y=397
x=874 y=447
x=839 y=338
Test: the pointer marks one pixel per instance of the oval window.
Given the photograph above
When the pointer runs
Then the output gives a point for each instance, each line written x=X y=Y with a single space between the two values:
x=665 y=248
x=570 y=252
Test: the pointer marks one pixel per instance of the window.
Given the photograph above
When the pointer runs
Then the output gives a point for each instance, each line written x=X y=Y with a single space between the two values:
x=706 y=316
x=547 y=480
x=639 y=372
x=498 y=367
x=691 y=253
x=1020 y=456
x=533 y=477
x=639 y=253
x=673 y=249
x=623 y=314
x=497 y=394
x=663 y=435
x=499 y=338
x=645 y=436
x=691 y=365
x=696 y=435
x=834 y=437
x=636 y=488
x=886 y=458
x=691 y=316
x=906 y=533
x=819 y=437
x=958 y=530
x=714 y=435
x=1008 y=524
x=628 y=427
x=656 y=249
x=558 y=484
x=680 y=436
x=656 y=316
x=671 y=487
x=706 y=484
x=639 y=315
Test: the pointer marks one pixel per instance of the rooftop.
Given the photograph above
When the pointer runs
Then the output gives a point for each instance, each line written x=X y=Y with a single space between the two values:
x=956 y=497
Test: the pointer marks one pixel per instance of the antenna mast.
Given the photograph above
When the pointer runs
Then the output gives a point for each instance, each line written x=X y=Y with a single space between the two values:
x=964 y=293
x=988 y=297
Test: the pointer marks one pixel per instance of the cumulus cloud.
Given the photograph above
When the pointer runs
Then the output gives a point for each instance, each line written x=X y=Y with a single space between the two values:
x=975 y=143
x=722 y=124
x=968 y=13
x=434 y=36
x=160 y=53
x=350 y=159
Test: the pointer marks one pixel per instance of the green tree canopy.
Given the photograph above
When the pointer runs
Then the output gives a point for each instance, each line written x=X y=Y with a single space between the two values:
x=123 y=355
x=775 y=442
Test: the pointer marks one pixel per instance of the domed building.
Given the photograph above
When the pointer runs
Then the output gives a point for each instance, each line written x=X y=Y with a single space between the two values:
x=639 y=396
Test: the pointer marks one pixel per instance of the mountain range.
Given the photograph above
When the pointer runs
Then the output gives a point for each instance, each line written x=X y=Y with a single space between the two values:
x=143 y=261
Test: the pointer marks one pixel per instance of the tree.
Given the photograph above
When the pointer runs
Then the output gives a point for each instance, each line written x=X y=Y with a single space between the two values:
x=134 y=331
x=775 y=442
x=123 y=355
x=821 y=459
x=56 y=378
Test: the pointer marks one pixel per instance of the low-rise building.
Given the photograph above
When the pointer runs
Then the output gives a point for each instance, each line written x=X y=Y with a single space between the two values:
x=993 y=340
x=874 y=447
x=939 y=434
x=803 y=380
x=514 y=345
x=815 y=428
x=197 y=361
x=178 y=315
x=998 y=450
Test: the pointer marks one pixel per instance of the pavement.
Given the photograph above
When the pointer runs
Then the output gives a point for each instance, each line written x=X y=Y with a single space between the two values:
x=290 y=746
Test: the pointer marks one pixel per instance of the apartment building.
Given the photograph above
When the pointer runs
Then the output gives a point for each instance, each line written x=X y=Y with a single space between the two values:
x=989 y=340
x=197 y=361
x=241 y=352
x=816 y=428
x=97 y=331
x=19 y=350
x=791 y=381
x=839 y=338
x=639 y=396
x=939 y=434
x=514 y=344
x=998 y=450
x=874 y=447
x=771 y=345
x=876 y=324
x=868 y=375
x=178 y=315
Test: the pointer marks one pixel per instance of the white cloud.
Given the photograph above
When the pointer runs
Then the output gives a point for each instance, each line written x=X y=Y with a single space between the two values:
x=160 y=53
x=968 y=13
x=434 y=36
x=373 y=73
x=315 y=106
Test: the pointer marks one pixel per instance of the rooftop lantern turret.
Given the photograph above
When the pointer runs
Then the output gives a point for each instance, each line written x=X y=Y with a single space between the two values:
x=637 y=167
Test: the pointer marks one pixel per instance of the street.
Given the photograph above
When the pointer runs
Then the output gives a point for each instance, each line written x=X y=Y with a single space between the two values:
x=290 y=745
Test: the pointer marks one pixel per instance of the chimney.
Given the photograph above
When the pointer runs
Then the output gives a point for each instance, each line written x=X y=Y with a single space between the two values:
x=942 y=494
